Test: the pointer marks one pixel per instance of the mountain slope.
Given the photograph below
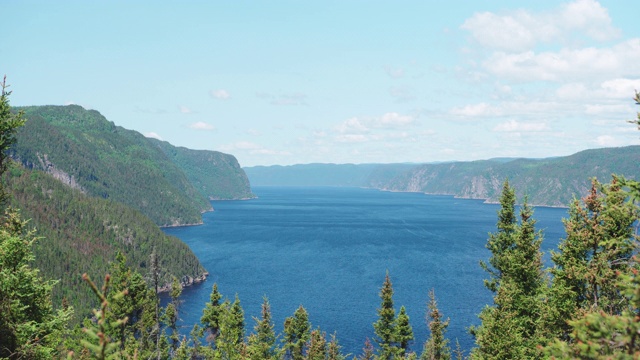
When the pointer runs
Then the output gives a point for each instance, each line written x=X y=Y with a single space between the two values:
x=81 y=234
x=551 y=182
x=84 y=150
x=215 y=175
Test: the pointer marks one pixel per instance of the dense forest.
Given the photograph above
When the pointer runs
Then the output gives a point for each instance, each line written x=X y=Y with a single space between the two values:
x=83 y=149
x=585 y=306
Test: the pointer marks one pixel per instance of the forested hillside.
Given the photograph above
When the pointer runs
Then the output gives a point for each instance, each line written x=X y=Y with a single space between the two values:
x=215 y=175
x=551 y=182
x=81 y=234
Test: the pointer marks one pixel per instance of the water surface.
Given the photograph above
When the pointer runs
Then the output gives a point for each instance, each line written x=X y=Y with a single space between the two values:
x=329 y=248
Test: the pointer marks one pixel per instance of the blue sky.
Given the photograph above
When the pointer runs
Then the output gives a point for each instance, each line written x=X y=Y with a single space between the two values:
x=350 y=81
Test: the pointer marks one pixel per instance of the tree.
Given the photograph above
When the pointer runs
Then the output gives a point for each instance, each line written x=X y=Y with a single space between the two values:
x=262 y=343
x=210 y=319
x=29 y=326
x=230 y=341
x=599 y=244
x=384 y=327
x=403 y=332
x=437 y=346
x=317 y=346
x=502 y=240
x=334 y=350
x=297 y=331
x=510 y=329
x=368 y=352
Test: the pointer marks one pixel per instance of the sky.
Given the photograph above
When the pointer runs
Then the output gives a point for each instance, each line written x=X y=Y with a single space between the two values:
x=345 y=81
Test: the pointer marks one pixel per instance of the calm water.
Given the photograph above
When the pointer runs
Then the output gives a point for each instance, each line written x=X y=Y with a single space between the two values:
x=329 y=248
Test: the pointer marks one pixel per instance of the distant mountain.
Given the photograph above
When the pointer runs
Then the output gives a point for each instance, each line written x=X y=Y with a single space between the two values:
x=87 y=152
x=215 y=175
x=322 y=174
x=551 y=181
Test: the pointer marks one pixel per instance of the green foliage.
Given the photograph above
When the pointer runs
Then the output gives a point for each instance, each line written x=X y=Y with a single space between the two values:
x=317 y=346
x=403 y=332
x=384 y=327
x=215 y=175
x=297 y=331
x=510 y=329
x=261 y=345
x=9 y=125
x=82 y=234
x=210 y=319
x=599 y=244
x=83 y=149
x=437 y=346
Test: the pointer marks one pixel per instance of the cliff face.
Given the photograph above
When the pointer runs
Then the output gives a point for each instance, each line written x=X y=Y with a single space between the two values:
x=548 y=182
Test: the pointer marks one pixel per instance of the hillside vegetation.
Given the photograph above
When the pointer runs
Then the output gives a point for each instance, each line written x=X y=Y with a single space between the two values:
x=215 y=175
x=551 y=182
x=86 y=151
x=81 y=234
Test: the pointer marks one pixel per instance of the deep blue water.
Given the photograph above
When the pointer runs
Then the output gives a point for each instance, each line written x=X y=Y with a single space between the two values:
x=329 y=248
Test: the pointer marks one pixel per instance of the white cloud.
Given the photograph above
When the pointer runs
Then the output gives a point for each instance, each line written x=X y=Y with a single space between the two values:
x=153 y=135
x=620 y=88
x=520 y=30
x=220 y=94
x=606 y=141
x=200 y=125
x=402 y=93
x=566 y=64
x=393 y=119
x=185 y=110
x=352 y=126
x=516 y=126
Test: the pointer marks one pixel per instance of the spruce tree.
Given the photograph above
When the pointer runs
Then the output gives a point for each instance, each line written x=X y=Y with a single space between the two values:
x=511 y=328
x=437 y=346
x=262 y=343
x=317 y=346
x=210 y=319
x=403 y=332
x=334 y=350
x=599 y=245
x=297 y=331
x=384 y=327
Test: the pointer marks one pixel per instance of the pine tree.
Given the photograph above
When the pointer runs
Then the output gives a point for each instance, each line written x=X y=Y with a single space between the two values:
x=437 y=346
x=334 y=350
x=29 y=326
x=501 y=241
x=599 y=244
x=403 y=332
x=210 y=319
x=230 y=342
x=317 y=346
x=297 y=331
x=368 y=352
x=262 y=343
x=510 y=329
x=384 y=327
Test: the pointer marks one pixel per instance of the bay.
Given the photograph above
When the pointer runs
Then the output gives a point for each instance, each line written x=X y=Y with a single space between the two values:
x=328 y=249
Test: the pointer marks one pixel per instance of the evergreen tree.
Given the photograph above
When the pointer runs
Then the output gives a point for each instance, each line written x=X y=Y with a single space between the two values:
x=317 y=346
x=334 y=350
x=502 y=240
x=510 y=329
x=297 y=331
x=403 y=332
x=230 y=342
x=29 y=326
x=437 y=346
x=210 y=319
x=368 y=352
x=599 y=244
x=171 y=313
x=262 y=343
x=384 y=327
